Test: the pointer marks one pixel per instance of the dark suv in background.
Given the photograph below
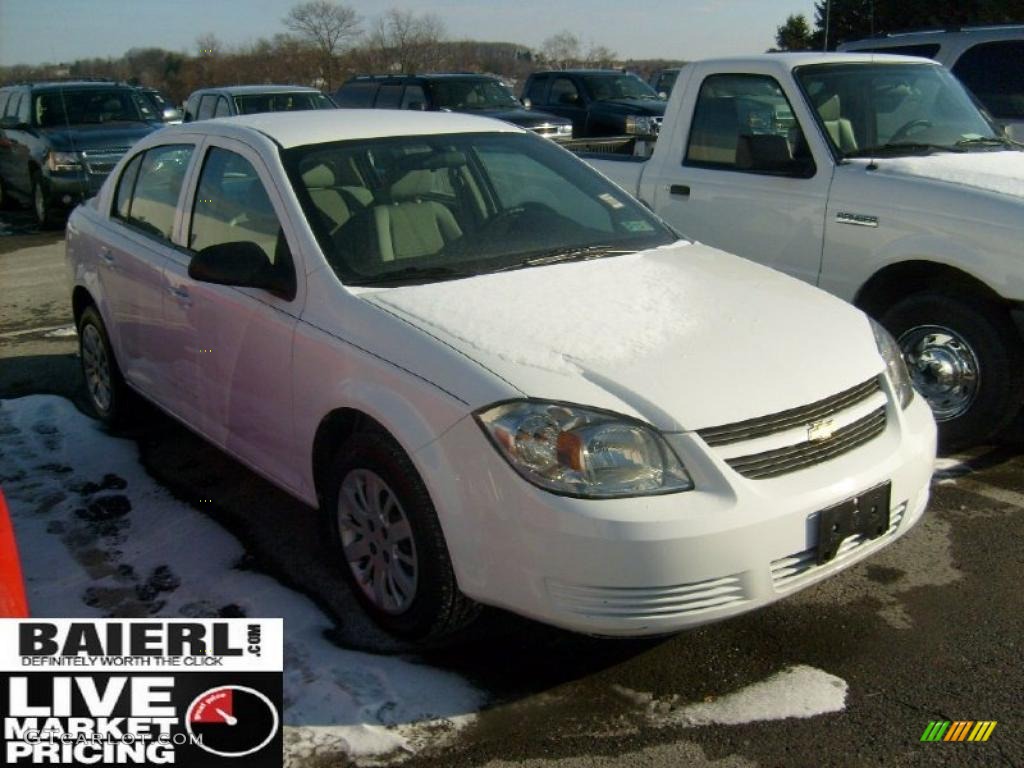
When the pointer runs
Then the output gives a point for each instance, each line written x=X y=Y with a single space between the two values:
x=474 y=94
x=599 y=102
x=59 y=140
x=231 y=100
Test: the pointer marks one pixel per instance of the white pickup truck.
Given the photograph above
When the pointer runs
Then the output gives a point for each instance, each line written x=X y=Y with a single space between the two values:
x=874 y=177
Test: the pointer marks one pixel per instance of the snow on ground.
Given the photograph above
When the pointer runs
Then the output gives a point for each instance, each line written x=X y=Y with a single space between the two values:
x=798 y=691
x=98 y=537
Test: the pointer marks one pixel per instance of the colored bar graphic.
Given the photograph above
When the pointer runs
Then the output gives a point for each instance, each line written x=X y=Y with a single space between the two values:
x=958 y=730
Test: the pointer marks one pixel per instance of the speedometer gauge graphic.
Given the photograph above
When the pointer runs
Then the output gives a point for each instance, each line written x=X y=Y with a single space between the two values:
x=232 y=721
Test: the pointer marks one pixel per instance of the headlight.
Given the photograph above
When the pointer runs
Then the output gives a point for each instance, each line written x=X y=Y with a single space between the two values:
x=895 y=366
x=641 y=125
x=570 y=450
x=564 y=130
x=63 y=161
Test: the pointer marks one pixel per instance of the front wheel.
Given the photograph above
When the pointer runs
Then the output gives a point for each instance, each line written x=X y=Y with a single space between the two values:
x=965 y=358
x=46 y=216
x=386 y=535
x=104 y=385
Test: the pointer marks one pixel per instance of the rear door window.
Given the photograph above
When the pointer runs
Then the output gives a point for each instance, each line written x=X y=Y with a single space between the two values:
x=994 y=73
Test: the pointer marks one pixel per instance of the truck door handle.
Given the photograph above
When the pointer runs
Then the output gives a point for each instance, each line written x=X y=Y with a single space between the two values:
x=682 y=190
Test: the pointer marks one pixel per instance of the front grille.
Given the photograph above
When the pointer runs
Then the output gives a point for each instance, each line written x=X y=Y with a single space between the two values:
x=790 y=571
x=795 y=417
x=648 y=602
x=102 y=161
x=791 y=458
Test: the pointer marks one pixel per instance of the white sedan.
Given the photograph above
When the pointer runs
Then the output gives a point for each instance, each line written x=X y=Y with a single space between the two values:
x=501 y=379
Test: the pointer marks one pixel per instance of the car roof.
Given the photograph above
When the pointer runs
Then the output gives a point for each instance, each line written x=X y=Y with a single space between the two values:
x=972 y=34
x=582 y=71
x=76 y=84
x=295 y=129
x=241 y=90
x=789 y=61
x=421 y=76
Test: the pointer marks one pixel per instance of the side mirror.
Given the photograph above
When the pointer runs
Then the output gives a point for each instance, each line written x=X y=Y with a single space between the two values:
x=527 y=102
x=663 y=95
x=768 y=153
x=242 y=264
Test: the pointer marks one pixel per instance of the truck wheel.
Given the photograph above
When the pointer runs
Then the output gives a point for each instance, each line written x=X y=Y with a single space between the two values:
x=46 y=217
x=104 y=385
x=965 y=358
x=389 y=541
x=4 y=198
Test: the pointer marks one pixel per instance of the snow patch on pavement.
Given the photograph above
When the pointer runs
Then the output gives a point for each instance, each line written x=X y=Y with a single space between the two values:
x=99 y=537
x=798 y=691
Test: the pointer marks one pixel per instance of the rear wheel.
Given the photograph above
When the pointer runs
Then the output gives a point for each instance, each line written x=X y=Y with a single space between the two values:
x=389 y=544
x=965 y=358
x=105 y=388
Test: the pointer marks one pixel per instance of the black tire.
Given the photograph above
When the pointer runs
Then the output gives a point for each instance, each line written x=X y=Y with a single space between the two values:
x=46 y=216
x=995 y=344
x=112 y=411
x=5 y=199
x=438 y=611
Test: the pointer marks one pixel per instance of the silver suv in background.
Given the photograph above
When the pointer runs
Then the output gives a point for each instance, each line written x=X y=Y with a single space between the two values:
x=988 y=60
x=252 y=99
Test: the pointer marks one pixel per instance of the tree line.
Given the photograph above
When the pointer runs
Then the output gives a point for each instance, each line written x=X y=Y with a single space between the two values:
x=849 y=20
x=322 y=43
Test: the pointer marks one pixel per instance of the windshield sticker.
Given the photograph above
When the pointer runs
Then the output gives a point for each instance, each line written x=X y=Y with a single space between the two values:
x=637 y=226
x=610 y=201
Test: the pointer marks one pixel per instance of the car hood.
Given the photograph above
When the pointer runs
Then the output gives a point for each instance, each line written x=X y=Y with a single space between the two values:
x=1001 y=172
x=107 y=135
x=631 y=106
x=682 y=336
x=526 y=118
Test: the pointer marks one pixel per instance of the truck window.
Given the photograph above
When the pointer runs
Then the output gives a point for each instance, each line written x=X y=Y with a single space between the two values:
x=414 y=97
x=390 y=96
x=564 y=92
x=535 y=92
x=223 y=109
x=994 y=73
x=206 y=106
x=746 y=123
x=357 y=94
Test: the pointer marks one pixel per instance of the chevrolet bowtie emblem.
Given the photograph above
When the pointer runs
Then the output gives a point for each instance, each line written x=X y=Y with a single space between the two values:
x=820 y=430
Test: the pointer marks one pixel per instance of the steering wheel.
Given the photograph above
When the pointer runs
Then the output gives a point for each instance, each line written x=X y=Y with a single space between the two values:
x=904 y=130
x=506 y=217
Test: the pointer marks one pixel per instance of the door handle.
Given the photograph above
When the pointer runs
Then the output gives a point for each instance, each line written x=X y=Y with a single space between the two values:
x=181 y=296
x=106 y=255
x=680 y=190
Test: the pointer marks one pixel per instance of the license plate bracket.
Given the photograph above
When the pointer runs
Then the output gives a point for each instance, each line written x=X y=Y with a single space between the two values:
x=866 y=514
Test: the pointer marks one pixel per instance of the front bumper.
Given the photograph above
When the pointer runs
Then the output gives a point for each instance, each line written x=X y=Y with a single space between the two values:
x=657 y=564
x=69 y=188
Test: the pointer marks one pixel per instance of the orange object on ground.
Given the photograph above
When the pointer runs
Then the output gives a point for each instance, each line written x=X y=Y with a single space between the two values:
x=12 y=585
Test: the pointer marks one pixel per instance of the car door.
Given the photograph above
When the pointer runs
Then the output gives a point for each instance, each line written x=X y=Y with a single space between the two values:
x=16 y=149
x=132 y=265
x=242 y=337
x=744 y=179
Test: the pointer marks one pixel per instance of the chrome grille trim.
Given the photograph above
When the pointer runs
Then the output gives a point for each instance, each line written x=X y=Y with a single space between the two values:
x=648 y=602
x=102 y=161
x=794 y=417
x=791 y=458
x=789 y=571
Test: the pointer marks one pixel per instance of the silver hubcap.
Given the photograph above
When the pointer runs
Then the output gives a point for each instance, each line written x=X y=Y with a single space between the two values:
x=944 y=369
x=96 y=367
x=377 y=541
x=40 y=202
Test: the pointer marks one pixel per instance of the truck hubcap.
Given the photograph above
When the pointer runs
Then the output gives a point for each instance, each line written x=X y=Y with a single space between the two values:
x=96 y=367
x=943 y=367
x=40 y=202
x=377 y=541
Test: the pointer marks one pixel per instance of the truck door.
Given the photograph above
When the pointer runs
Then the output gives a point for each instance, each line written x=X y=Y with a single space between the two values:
x=744 y=178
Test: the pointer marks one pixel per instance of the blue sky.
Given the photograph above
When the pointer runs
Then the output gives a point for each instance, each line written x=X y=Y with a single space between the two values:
x=33 y=31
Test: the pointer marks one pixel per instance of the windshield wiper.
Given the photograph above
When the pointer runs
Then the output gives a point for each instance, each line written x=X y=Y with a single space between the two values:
x=559 y=255
x=904 y=146
x=986 y=141
x=412 y=274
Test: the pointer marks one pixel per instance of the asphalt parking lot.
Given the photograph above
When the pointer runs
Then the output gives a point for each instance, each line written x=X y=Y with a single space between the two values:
x=848 y=673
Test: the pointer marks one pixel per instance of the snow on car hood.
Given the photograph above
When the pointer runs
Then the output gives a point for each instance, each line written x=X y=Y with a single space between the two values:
x=683 y=336
x=1001 y=172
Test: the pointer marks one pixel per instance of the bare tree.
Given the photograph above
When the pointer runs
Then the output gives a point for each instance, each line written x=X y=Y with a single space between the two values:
x=599 y=56
x=329 y=26
x=403 y=41
x=561 y=49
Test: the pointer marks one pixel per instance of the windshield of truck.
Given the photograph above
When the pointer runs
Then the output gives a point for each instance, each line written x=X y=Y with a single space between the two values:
x=618 y=86
x=281 y=102
x=420 y=209
x=471 y=94
x=895 y=109
x=61 y=106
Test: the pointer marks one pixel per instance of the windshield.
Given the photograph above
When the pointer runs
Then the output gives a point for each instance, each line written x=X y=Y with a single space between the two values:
x=618 y=86
x=896 y=109
x=471 y=94
x=59 y=107
x=281 y=102
x=425 y=208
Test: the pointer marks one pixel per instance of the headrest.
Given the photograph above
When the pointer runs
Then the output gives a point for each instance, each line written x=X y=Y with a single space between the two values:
x=318 y=176
x=829 y=109
x=413 y=184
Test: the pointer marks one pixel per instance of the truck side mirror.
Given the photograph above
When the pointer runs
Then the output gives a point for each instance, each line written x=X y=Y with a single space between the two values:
x=527 y=103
